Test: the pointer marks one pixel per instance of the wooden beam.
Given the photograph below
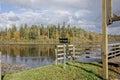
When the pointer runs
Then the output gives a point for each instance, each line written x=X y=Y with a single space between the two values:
x=109 y=12
x=111 y=17
x=115 y=18
x=105 y=40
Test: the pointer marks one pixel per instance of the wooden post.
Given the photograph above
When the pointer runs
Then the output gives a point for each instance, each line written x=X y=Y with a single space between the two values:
x=73 y=52
x=109 y=12
x=0 y=65
x=105 y=41
x=64 y=56
x=56 y=54
x=111 y=16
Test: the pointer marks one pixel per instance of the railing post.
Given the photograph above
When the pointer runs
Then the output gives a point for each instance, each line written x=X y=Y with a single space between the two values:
x=64 y=48
x=73 y=52
x=56 y=56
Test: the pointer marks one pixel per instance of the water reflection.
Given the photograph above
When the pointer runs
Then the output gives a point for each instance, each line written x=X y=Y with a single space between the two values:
x=29 y=55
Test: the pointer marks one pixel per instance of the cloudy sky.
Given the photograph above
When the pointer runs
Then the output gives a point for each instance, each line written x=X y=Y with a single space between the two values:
x=82 y=13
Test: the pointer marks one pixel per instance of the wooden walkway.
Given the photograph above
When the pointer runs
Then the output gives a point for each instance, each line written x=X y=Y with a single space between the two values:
x=115 y=60
x=114 y=53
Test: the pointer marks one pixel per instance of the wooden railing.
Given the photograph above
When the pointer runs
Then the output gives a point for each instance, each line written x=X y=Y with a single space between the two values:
x=114 y=50
x=67 y=52
x=64 y=52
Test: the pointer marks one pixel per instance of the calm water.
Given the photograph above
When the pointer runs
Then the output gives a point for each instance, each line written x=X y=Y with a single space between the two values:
x=30 y=55
x=34 y=56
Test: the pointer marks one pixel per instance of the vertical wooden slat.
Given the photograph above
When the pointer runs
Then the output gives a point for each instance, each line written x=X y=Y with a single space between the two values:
x=73 y=51
x=109 y=11
x=56 y=61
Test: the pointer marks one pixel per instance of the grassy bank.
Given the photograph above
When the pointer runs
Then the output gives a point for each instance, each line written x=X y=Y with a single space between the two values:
x=74 y=71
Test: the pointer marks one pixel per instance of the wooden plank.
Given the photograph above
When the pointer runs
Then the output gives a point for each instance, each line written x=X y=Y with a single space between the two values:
x=114 y=54
x=70 y=49
x=59 y=46
x=60 y=50
x=64 y=56
x=115 y=60
x=70 y=45
x=61 y=54
x=109 y=12
x=56 y=61
x=113 y=51
x=61 y=58
x=114 y=44
x=77 y=53
x=115 y=18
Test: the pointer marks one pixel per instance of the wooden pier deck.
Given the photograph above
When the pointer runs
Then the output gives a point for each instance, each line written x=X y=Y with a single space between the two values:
x=115 y=60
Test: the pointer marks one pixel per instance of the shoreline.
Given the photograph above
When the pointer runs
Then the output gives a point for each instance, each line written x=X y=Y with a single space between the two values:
x=10 y=68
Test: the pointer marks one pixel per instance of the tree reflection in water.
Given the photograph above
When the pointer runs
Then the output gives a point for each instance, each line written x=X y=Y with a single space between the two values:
x=29 y=55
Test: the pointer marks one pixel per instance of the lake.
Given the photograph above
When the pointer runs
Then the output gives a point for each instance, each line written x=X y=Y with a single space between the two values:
x=30 y=55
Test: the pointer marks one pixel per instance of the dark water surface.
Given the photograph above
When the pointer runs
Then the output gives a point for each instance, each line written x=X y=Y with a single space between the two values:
x=30 y=55
x=34 y=56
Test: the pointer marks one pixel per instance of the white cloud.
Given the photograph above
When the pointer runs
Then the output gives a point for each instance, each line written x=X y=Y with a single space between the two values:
x=84 y=13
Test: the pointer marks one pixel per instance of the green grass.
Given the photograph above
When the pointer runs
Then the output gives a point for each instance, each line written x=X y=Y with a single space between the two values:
x=73 y=71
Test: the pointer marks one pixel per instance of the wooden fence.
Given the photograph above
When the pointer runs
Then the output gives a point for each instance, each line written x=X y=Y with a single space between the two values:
x=61 y=52
x=66 y=52
x=70 y=52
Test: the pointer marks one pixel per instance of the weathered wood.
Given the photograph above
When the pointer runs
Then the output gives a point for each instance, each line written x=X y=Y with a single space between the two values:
x=60 y=58
x=114 y=51
x=109 y=12
x=73 y=51
x=59 y=46
x=64 y=56
x=60 y=54
x=111 y=17
x=0 y=65
x=64 y=52
x=105 y=40
x=60 y=50
x=114 y=44
x=56 y=61
x=115 y=18
x=115 y=60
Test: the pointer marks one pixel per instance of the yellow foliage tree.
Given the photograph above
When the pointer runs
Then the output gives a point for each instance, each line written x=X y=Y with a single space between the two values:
x=16 y=35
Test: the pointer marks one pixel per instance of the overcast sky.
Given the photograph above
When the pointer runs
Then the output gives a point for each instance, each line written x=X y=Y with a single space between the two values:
x=82 y=13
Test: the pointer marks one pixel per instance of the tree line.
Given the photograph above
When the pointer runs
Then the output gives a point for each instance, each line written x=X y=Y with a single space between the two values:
x=40 y=32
